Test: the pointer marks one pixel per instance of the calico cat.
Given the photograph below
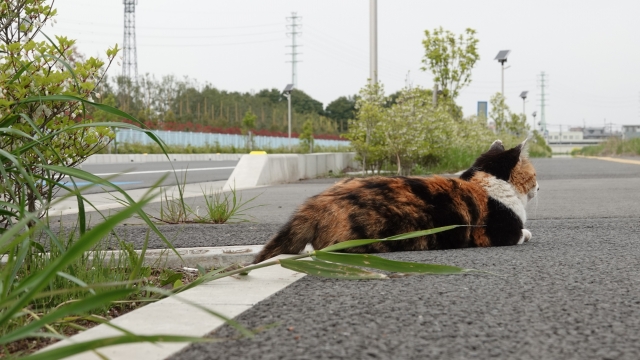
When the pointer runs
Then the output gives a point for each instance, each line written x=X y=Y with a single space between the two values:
x=493 y=193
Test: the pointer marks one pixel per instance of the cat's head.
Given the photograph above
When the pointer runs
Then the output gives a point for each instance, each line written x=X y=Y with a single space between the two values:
x=511 y=165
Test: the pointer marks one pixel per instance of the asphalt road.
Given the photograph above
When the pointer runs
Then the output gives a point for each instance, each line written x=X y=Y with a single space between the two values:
x=143 y=175
x=572 y=292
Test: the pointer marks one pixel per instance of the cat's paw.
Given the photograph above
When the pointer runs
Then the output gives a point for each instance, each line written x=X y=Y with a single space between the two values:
x=526 y=236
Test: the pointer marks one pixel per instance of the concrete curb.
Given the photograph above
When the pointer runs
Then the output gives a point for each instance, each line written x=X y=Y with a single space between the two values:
x=207 y=257
x=228 y=297
x=258 y=170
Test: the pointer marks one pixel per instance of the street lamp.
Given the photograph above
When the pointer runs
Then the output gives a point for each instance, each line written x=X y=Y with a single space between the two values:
x=523 y=95
x=287 y=92
x=534 y=119
x=502 y=58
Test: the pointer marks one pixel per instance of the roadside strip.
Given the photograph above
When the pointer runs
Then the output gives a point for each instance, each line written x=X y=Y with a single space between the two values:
x=228 y=296
x=606 y=158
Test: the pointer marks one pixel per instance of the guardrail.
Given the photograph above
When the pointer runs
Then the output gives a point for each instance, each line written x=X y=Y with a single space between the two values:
x=202 y=139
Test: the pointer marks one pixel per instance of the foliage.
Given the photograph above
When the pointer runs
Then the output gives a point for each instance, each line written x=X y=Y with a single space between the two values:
x=538 y=146
x=169 y=102
x=450 y=58
x=306 y=138
x=365 y=131
x=341 y=111
x=30 y=71
x=505 y=121
x=44 y=132
x=220 y=207
x=610 y=147
x=134 y=148
x=415 y=129
x=249 y=121
x=329 y=263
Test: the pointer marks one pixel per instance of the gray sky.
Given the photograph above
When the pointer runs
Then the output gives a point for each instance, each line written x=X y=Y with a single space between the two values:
x=590 y=50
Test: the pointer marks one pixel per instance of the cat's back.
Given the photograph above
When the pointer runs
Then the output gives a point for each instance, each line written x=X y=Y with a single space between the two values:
x=405 y=196
x=406 y=188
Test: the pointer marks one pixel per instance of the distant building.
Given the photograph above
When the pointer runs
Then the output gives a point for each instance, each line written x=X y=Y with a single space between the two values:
x=598 y=133
x=630 y=131
x=577 y=138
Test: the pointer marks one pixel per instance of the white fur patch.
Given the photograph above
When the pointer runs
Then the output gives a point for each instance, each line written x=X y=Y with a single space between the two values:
x=526 y=235
x=507 y=195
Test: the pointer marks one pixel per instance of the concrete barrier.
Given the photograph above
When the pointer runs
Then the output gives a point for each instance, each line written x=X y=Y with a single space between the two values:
x=141 y=158
x=259 y=170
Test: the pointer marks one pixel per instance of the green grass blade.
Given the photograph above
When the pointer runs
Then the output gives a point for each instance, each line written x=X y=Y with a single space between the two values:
x=353 y=243
x=138 y=265
x=23 y=68
x=77 y=307
x=77 y=281
x=33 y=284
x=376 y=262
x=69 y=350
x=81 y=174
x=329 y=270
x=103 y=107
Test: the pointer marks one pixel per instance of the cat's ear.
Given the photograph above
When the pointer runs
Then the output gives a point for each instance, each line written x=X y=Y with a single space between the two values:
x=522 y=148
x=496 y=146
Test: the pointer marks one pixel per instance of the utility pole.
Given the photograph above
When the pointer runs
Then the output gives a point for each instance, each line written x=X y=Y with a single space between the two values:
x=293 y=30
x=130 y=54
x=543 y=83
x=435 y=95
x=373 y=41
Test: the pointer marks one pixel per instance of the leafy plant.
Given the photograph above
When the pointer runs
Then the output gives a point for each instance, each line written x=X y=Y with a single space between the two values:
x=306 y=137
x=45 y=130
x=450 y=58
x=222 y=207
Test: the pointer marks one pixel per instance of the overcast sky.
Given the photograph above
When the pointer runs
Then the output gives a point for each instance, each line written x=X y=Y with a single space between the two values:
x=590 y=50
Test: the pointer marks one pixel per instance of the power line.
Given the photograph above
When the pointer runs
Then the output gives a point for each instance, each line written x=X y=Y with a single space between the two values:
x=294 y=31
x=81 y=41
x=130 y=53
x=172 y=28
x=176 y=37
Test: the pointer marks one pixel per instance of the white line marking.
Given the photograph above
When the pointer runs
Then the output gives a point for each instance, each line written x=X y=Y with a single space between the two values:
x=164 y=171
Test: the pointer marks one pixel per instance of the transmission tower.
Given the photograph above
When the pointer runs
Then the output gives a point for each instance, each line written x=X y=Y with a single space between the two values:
x=543 y=83
x=130 y=54
x=293 y=30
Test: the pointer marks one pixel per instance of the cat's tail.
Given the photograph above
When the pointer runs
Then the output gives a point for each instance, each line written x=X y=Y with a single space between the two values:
x=291 y=239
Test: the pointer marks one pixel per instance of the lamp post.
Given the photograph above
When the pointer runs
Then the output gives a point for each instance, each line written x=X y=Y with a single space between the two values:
x=523 y=95
x=534 y=119
x=287 y=92
x=502 y=58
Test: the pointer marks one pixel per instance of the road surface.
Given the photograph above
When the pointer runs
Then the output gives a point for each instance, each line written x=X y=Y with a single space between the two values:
x=572 y=292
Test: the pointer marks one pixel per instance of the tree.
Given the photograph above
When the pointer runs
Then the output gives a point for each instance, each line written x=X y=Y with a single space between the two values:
x=305 y=104
x=498 y=112
x=450 y=58
x=248 y=123
x=365 y=130
x=306 y=137
x=341 y=110
x=506 y=121
x=415 y=128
